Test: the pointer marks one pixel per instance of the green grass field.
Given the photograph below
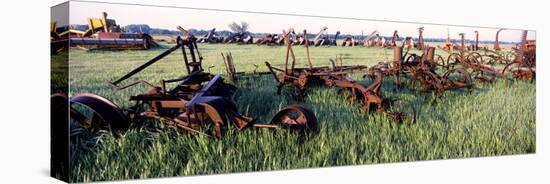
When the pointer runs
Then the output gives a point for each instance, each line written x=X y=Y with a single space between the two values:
x=492 y=120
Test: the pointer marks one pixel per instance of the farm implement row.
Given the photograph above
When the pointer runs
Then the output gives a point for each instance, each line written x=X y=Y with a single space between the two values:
x=427 y=72
x=200 y=102
x=300 y=79
x=239 y=37
x=459 y=71
x=520 y=63
x=203 y=103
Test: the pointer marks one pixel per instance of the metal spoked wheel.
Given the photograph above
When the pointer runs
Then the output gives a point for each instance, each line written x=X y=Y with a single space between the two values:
x=442 y=62
x=296 y=117
x=518 y=70
x=459 y=78
x=483 y=77
x=96 y=113
x=475 y=58
x=453 y=59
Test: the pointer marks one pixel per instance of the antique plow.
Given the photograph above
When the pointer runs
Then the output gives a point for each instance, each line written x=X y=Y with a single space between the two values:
x=521 y=66
x=322 y=38
x=520 y=62
x=422 y=72
x=239 y=38
x=200 y=102
x=393 y=42
x=476 y=63
x=210 y=37
x=334 y=76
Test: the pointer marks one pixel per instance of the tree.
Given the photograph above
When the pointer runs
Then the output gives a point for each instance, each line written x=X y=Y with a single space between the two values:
x=242 y=28
x=138 y=28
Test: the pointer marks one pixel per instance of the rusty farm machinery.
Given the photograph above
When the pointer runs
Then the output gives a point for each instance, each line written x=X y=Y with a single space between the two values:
x=270 y=40
x=520 y=62
x=421 y=71
x=420 y=43
x=211 y=37
x=102 y=33
x=241 y=37
x=426 y=72
x=200 y=102
x=433 y=73
x=393 y=42
x=300 y=79
x=373 y=39
x=294 y=38
x=322 y=38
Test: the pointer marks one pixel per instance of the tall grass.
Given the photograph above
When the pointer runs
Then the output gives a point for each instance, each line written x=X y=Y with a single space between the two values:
x=491 y=120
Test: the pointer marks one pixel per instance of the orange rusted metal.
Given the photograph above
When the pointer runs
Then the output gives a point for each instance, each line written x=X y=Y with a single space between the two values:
x=199 y=99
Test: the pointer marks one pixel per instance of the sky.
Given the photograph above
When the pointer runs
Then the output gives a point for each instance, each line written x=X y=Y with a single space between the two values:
x=170 y=18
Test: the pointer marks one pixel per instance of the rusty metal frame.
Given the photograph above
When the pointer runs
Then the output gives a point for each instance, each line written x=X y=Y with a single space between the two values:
x=334 y=76
x=198 y=100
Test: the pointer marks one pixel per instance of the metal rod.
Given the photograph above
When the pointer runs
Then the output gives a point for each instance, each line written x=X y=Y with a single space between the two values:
x=195 y=47
x=265 y=126
x=226 y=65
x=307 y=50
x=272 y=72
x=147 y=64
x=185 y=60
x=193 y=58
x=287 y=51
